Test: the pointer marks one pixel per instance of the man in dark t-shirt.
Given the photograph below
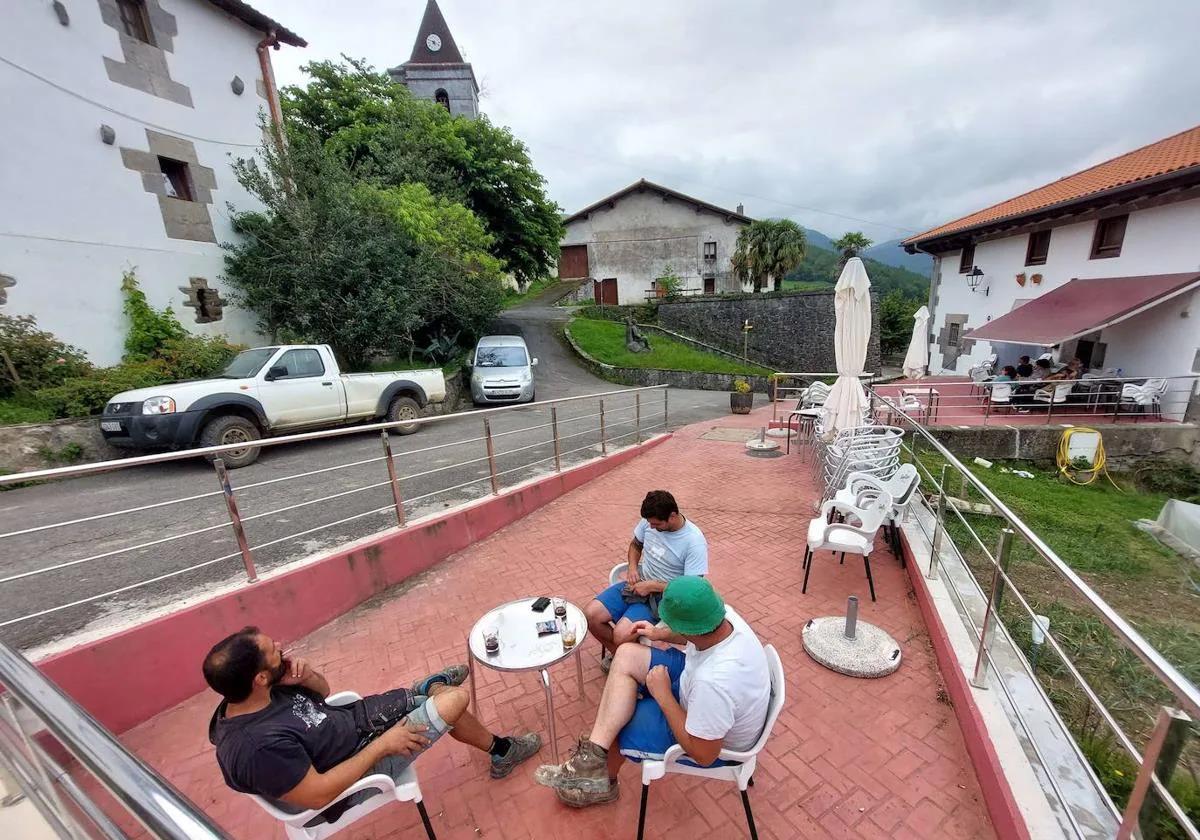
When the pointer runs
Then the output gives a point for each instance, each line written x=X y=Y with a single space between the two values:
x=276 y=737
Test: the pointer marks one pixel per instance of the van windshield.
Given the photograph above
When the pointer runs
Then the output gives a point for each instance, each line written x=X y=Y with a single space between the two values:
x=248 y=363
x=501 y=357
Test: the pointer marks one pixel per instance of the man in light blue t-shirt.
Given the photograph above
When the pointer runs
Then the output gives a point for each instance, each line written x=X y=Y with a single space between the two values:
x=665 y=545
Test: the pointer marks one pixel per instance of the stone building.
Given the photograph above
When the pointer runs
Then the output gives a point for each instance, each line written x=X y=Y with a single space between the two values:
x=436 y=70
x=122 y=118
x=626 y=242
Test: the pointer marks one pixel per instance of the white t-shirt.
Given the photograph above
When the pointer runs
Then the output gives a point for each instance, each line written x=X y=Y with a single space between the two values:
x=668 y=554
x=726 y=689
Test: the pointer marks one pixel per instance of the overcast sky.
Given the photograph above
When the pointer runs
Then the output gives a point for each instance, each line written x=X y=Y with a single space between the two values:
x=903 y=114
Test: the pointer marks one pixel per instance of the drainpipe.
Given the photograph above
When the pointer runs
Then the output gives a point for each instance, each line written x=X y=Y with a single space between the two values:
x=268 y=76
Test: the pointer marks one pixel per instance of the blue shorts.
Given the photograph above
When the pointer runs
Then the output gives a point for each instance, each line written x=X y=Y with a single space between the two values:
x=613 y=601
x=648 y=735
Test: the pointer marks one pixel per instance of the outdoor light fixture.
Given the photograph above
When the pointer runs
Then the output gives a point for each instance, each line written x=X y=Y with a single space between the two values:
x=975 y=279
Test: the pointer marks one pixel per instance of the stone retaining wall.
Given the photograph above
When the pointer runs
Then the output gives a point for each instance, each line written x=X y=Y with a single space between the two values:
x=692 y=380
x=1124 y=444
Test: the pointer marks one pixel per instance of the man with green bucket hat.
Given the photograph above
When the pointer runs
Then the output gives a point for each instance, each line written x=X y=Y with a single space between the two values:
x=710 y=696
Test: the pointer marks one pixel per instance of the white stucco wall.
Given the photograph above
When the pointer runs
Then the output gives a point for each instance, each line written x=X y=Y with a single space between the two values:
x=1159 y=240
x=72 y=216
x=641 y=236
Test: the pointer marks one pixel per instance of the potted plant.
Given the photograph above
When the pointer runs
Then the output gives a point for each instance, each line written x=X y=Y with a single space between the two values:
x=741 y=398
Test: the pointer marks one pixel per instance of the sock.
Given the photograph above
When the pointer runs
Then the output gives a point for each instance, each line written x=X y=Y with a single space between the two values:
x=499 y=747
x=430 y=682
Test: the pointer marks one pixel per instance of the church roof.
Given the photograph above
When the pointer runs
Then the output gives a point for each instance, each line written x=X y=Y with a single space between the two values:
x=432 y=23
x=643 y=185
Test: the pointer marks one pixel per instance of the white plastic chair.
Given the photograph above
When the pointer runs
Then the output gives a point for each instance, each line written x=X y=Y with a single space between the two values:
x=1000 y=395
x=1148 y=394
x=979 y=374
x=616 y=576
x=845 y=536
x=741 y=774
x=1058 y=395
x=406 y=789
x=901 y=487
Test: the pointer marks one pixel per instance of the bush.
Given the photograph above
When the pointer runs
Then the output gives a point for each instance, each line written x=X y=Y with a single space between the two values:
x=87 y=395
x=149 y=329
x=40 y=358
x=1176 y=479
x=194 y=357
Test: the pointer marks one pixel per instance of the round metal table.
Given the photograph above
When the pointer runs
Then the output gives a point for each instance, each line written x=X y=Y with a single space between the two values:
x=522 y=649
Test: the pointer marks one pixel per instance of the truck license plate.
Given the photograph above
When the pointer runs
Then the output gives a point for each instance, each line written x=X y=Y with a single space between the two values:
x=110 y=425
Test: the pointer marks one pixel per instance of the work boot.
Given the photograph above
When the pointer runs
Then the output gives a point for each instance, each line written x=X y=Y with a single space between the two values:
x=450 y=675
x=520 y=747
x=586 y=770
x=581 y=799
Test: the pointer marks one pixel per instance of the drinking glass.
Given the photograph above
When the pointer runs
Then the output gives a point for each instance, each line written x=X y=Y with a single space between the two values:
x=491 y=640
x=560 y=608
x=569 y=635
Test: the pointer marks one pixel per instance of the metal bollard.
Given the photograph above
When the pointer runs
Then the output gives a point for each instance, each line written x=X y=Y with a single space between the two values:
x=603 y=440
x=939 y=526
x=637 y=417
x=235 y=519
x=666 y=423
x=397 y=498
x=990 y=616
x=554 y=429
x=851 y=616
x=491 y=456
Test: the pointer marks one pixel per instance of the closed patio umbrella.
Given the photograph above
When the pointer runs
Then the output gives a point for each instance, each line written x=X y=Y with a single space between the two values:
x=846 y=402
x=916 y=360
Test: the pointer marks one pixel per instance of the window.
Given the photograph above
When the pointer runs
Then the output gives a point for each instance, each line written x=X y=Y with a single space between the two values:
x=442 y=98
x=953 y=334
x=300 y=363
x=208 y=304
x=501 y=356
x=710 y=250
x=134 y=21
x=967 y=261
x=1039 y=248
x=176 y=178
x=1110 y=234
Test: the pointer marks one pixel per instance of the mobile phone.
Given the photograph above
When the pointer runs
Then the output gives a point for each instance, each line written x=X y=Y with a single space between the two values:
x=545 y=628
x=540 y=604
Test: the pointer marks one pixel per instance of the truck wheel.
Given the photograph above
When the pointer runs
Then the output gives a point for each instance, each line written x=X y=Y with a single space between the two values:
x=227 y=429
x=404 y=408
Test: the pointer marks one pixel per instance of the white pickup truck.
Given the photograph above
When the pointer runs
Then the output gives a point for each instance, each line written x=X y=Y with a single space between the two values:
x=262 y=392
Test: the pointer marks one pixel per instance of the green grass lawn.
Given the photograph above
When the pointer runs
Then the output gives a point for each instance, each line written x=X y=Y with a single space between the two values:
x=605 y=342
x=451 y=367
x=1091 y=529
x=512 y=297
x=23 y=409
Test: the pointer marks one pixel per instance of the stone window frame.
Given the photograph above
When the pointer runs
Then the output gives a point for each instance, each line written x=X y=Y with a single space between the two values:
x=145 y=62
x=182 y=219
x=950 y=352
x=208 y=308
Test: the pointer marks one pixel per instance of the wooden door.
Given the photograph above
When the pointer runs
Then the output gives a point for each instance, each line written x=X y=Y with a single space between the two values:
x=606 y=292
x=710 y=285
x=573 y=262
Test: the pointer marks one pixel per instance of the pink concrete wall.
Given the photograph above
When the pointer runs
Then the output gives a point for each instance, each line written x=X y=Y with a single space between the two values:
x=129 y=677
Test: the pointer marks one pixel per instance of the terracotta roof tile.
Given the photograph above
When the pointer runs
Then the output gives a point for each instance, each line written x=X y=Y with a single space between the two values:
x=1177 y=152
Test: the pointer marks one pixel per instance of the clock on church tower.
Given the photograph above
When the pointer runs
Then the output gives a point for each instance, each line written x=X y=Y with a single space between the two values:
x=436 y=70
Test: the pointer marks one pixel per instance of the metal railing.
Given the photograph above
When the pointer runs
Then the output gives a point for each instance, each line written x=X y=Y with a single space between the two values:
x=1100 y=399
x=783 y=393
x=38 y=717
x=50 y=569
x=1156 y=761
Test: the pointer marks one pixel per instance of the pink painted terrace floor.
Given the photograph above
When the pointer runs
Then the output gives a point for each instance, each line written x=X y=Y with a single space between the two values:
x=848 y=758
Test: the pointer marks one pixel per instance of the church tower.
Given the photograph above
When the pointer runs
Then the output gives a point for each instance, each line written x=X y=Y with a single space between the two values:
x=436 y=70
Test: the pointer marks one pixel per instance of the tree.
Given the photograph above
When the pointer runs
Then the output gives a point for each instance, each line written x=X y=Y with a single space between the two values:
x=896 y=312
x=389 y=138
x=852 y=244
x=767 y=250
x=367 y=269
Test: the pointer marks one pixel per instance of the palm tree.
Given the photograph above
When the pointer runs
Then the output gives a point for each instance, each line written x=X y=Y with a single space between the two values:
x=850 y=245
x=766 y=251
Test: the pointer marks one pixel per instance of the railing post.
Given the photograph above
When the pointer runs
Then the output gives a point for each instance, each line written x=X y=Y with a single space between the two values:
x=1117 y=400
x=990 y=616
x=938 y=527
x=637 y=417
x=1160 y=757
x=987 y=402
x=603 y=440
x=397 y=498
x=666 y=423
x=774 y=381
x=1050 y=410
x=554 y=429
x=235 y=519
x=491 y=456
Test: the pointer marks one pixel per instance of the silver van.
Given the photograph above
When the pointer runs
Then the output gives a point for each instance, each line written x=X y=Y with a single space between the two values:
x=501 y=370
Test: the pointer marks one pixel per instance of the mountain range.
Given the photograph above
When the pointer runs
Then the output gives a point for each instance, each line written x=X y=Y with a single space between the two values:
x=888 y=266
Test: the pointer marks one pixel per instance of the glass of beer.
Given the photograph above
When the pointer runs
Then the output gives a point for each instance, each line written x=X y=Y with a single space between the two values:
x=569 y=635
x=491 y=640
x=560 y=608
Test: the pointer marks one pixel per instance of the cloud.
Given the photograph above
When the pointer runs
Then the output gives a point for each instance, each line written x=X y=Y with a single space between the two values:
x=903 y=113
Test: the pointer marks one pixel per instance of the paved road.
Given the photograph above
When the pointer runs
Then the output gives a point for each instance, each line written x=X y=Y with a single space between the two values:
x=439 y=470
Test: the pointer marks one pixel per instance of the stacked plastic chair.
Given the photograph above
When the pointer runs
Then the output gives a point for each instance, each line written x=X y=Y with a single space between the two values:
x=873 y=450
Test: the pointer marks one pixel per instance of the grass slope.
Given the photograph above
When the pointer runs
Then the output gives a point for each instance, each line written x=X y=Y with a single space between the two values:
x=605 y=342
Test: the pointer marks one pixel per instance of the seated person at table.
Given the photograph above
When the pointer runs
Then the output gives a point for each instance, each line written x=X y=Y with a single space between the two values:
x=1077 y=367
x=713 y=695
x=1008 y=374
x=1024 y=367
x=665 y=545
x=276 y=736
x=1041 y=369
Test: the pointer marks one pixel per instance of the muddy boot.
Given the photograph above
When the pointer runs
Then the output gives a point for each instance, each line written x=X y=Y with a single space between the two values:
x=580 y=799
x=586 y=770
x=451 y=675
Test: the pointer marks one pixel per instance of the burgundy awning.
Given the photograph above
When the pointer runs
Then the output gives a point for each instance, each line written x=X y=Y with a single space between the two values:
x=1083 y=306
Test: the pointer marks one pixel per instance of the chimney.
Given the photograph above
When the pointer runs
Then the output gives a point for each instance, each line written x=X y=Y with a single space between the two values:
x=741 y=209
